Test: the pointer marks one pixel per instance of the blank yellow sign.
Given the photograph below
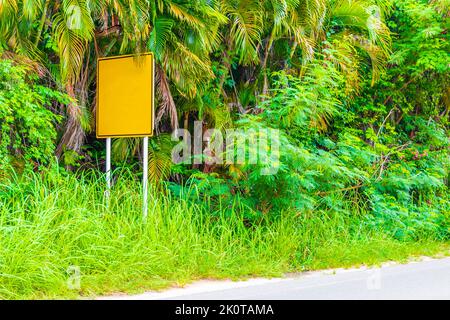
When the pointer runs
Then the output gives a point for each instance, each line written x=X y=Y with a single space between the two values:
x=125 y=96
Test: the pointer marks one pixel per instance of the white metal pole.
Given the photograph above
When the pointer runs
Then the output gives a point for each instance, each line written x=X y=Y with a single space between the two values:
x=145 y=178
x=108 y=169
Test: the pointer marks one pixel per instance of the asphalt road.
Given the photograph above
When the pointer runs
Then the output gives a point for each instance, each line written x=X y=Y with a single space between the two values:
x=429 y=279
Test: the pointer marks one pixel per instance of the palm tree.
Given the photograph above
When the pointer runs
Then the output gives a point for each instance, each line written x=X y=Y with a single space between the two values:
x=184 y=34
x=347 y=31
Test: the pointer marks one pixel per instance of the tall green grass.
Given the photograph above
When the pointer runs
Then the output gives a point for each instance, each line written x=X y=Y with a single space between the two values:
x=53 y=222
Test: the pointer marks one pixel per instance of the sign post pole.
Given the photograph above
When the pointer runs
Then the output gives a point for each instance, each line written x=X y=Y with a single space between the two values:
x=145 y=178
x=108 y=169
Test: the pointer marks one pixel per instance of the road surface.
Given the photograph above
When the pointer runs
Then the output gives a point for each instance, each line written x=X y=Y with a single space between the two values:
x=429 y=279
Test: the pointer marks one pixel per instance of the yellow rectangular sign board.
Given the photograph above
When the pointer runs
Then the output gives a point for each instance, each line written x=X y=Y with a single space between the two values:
x=125 y=96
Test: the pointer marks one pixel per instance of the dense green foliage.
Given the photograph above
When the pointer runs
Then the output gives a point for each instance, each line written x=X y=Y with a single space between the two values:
x=28 y=130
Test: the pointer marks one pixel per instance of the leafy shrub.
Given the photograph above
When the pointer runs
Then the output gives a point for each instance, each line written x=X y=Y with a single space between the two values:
x=329 y=162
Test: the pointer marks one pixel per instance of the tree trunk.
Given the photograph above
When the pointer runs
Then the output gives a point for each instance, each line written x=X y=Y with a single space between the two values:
x=74 y=135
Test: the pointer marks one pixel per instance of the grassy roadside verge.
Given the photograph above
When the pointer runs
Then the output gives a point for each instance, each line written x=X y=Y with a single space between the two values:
x=58 y=223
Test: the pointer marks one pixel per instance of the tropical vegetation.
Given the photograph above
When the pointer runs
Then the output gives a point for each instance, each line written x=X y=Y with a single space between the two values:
x=357 y=89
